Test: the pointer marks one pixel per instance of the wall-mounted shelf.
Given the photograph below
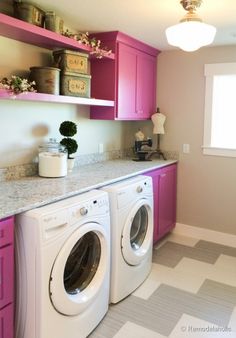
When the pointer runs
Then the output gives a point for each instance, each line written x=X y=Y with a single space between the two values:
x=40 y=97
x=25 y=32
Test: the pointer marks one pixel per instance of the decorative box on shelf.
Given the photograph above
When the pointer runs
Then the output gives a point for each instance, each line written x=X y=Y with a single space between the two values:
x=71 y=61
x=74 y=84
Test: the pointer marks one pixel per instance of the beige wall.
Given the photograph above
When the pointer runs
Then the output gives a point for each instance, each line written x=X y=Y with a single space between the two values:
x=206 y=184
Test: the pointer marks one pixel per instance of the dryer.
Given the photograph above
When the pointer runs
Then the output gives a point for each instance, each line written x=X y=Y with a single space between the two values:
x=63 y=267
x=131 y=209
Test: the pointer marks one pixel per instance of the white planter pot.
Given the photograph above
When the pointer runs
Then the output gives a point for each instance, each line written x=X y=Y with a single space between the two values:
x=70 y=164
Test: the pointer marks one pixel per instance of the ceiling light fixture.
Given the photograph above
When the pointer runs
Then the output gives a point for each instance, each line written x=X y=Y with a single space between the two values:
x=191 y=33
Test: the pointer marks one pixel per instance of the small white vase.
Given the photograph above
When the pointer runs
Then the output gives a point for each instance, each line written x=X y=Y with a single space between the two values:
x=70 y=164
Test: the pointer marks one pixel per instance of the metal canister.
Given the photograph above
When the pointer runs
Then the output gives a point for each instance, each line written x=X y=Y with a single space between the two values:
x=52 y=159
x=53 y=22
x=47 y=79
x=28 y=12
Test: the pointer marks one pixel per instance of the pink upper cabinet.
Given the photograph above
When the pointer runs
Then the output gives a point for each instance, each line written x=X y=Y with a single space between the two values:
x=129 y=80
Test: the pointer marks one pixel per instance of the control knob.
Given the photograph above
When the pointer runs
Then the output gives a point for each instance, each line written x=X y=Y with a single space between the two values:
x=83 y=211
x=139 y=189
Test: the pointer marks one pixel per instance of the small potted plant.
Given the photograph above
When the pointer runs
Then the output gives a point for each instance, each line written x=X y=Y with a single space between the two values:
x=69 y=129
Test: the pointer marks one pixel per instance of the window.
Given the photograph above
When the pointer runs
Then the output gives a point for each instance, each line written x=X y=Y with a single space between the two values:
x=220 y=110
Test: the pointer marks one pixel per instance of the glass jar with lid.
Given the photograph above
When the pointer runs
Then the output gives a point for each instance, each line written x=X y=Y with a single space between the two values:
x=52 y=159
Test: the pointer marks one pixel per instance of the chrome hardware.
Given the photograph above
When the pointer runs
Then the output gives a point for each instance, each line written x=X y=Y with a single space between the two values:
x=139 y=189
x=83 y=211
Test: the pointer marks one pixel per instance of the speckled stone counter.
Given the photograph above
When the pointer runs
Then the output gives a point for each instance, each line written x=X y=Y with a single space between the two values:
x=27 y=193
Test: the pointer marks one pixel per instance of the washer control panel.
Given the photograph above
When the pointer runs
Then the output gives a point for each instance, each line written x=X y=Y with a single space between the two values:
x=90 y=208
x=57 y=217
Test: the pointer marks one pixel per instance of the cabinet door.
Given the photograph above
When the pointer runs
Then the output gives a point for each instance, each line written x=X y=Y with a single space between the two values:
x=6 y=231
x=164 y=195
x=126 y=82
x=6 y=322
x=146 y=85
x=167 y=200
x=155 y=183
x=136 y=97
x=6 y=275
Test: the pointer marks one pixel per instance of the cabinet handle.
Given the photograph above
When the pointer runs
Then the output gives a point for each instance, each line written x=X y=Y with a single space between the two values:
x=163 y=175
x=1 y=233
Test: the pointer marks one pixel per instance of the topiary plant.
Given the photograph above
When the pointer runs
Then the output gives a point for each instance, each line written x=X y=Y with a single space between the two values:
x=68 y=129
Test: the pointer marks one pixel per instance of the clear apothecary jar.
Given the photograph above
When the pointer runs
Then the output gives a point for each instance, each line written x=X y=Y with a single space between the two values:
x=52 y=159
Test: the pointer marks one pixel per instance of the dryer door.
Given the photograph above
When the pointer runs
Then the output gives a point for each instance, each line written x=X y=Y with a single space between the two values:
x=79 y=269
x=137 y=235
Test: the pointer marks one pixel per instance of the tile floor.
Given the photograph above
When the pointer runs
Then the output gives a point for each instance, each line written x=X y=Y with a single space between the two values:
x=190 y=293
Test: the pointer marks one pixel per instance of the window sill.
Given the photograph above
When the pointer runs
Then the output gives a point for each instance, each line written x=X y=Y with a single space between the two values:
x=207 y=150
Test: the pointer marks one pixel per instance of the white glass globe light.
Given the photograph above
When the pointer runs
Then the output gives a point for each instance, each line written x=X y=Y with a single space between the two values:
x=190 y=35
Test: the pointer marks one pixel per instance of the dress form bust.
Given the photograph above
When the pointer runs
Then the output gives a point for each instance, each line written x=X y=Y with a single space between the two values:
x=158 y=120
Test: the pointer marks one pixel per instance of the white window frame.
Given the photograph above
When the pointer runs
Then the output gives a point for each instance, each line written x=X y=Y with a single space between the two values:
x=210 y=71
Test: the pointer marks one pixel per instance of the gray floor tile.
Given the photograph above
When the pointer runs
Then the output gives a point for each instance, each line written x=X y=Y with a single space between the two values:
x=216 y=248
x=218 y=293
x=181 y=302
x=171 y=253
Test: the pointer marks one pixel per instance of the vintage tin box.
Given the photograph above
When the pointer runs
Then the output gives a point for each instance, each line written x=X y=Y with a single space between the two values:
x=73 y=84
x=28 y=12
x=71 y=61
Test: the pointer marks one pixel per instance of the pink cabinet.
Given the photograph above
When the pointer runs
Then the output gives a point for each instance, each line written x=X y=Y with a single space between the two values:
x=164 y=189
x=129 y=80
x=6 y=277
x=146 y=85
x=126 y=84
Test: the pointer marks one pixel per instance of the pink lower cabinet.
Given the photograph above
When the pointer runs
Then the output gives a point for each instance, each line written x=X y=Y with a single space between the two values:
x=6 y=277
x=164 y=189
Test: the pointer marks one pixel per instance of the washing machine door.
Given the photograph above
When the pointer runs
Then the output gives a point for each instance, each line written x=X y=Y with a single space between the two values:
x=137 y=235
x=79 y=269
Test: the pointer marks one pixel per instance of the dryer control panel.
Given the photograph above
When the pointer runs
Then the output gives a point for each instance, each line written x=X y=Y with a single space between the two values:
x=134 y=190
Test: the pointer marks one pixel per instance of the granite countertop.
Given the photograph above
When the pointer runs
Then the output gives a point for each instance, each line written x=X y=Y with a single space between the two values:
x=27 y=193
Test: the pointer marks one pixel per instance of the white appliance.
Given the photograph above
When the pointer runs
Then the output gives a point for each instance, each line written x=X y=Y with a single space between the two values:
x=131 y=209
x=63 y=267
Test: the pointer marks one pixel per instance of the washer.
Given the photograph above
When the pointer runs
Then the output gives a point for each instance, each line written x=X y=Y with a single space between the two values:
x=63 y=267
x=131 y=209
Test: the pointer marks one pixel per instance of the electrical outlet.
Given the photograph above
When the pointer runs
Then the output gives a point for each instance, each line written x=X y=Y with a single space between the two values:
x=100 y=148
x=186 y=148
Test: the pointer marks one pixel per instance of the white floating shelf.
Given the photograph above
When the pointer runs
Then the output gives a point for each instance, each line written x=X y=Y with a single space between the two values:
x=40 y=97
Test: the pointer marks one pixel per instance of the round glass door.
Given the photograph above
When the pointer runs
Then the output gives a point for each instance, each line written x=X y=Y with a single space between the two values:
x=80 y=269
x=82 y=263
x=138 y=228
x=137 y=235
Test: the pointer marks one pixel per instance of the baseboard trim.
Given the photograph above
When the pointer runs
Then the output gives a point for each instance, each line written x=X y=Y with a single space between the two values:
x=205 y=234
